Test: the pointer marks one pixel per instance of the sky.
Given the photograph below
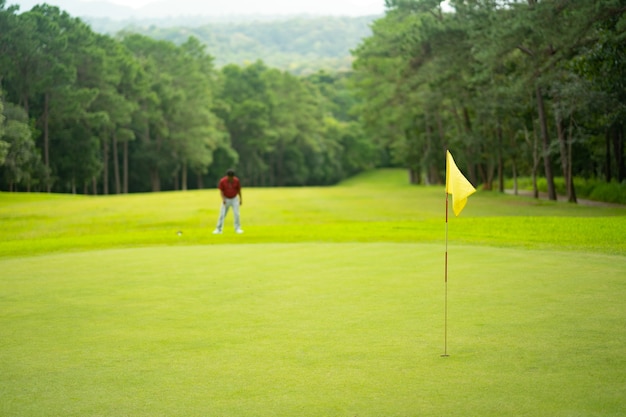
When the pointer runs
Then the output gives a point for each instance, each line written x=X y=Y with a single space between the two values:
x=356 y=7
x=172 y=8
x=135 y=4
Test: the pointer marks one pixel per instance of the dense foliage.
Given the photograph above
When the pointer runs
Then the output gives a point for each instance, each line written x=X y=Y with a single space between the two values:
x=90 y=113
x=508 y=84
x=527 y=88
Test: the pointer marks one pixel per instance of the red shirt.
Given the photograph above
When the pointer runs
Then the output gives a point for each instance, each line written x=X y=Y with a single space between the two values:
x=230 y=189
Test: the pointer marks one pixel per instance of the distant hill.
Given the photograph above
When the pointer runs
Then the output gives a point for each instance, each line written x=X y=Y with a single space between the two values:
x=120 y=9
x=300 y=45
x=240 y=31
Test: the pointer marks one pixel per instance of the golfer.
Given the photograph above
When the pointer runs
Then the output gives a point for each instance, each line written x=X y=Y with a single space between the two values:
x=230 y=190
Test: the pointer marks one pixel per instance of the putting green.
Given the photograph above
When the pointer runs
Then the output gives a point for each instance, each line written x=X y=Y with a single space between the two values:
x=312 y=329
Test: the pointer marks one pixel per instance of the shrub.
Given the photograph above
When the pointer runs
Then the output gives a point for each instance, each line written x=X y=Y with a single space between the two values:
x=591 y=189
x=612 y=192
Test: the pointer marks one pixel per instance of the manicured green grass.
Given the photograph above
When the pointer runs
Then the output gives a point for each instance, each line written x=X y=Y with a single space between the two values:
x=312 y=329
x=331 y=304
x=379 y=206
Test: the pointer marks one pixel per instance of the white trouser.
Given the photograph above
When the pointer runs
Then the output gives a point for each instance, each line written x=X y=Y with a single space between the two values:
x=228 y=203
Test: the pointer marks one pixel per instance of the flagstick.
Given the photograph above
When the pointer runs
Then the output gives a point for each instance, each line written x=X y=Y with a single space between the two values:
x=445 y=337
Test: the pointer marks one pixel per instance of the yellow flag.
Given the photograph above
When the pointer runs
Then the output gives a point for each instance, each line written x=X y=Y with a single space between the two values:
x=457 y=185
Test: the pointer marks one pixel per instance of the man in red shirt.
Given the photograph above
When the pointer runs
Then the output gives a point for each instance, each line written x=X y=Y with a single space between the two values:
x=230 y=189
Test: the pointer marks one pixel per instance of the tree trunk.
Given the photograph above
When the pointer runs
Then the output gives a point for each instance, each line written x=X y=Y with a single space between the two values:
x=412 y=176
x=565 y=147
x=618 y=151
x=607 y=142
x=486 y=173
x=116 y=166
x=560 y=134
x=543 y=122
x=536 y=159
x=46 y=142
x=570 y=192
x=155 y=180
x=500 y=161
x=471 y=162
x=514 y=169
x=125 y=166
x=420 y=164
x=183 y=184
x=200 y=181
x=280 y=165
x=155 y=175
x=105 y=165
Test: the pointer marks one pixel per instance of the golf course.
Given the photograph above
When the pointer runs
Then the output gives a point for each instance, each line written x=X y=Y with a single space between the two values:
x=330 y=304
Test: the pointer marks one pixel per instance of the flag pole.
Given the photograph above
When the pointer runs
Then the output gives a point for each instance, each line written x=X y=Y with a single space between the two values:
x=445 y=322
x=460 y=188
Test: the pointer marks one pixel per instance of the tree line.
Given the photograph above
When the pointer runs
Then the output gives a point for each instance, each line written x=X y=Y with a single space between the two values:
x=530 y=87
x=515 y=88
x=90 y=113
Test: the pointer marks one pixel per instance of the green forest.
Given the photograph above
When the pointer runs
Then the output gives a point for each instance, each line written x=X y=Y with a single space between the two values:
x=516 y=90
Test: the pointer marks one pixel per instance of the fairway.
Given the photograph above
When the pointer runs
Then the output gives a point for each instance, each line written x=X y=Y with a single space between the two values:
x=331 y=304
